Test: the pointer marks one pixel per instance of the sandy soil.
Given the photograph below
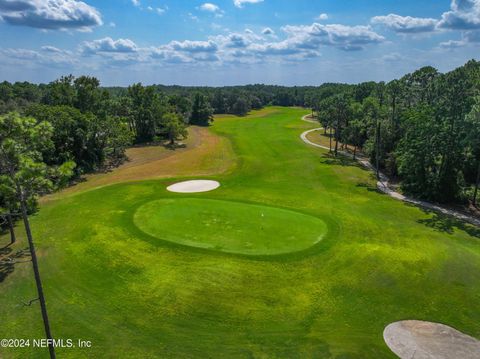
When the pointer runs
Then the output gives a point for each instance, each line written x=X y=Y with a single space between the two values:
x=412 y=339
x=194 y=186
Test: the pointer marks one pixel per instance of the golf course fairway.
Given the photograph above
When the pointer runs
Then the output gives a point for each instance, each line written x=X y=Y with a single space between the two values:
x=142 y=272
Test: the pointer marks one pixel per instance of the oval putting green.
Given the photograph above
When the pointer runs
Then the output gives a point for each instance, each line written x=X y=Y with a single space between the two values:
x=230 y=227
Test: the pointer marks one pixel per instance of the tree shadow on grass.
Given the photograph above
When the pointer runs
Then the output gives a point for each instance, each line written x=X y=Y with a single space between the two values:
x=370 y=187
x=341 y=160
x=8 y=260
x=447 y=224
x=174 y=146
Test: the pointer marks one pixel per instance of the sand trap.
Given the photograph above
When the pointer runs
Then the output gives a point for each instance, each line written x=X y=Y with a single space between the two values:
x=412 y=339
x=193 y=186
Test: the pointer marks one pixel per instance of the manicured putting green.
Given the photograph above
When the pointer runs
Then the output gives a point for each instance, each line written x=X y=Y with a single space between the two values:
x=230 y=227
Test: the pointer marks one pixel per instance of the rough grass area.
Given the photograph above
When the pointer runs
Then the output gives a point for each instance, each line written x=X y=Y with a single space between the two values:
x=136 y=296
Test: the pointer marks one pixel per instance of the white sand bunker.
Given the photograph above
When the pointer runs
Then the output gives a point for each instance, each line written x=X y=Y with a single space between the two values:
x=414 y=339
x=193 y=186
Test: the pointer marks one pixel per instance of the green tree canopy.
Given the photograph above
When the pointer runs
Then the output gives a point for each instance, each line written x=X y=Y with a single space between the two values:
x=23 y=173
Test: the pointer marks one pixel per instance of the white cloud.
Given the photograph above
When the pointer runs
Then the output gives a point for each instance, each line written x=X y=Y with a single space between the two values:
x=301 y=43
x=298 y=43
x=341 y=36
x=452 y=44
x=161 y=10
x=209 y=7
x=21 y=54
x=52 y=49
x=212 y=8
x=392 y=57
x=193 y=46
x=268 y=31
x=108 y=45
x=186 y=52
x=240 y=3
x=158 y=10
x=322 y=17
x=472 y=36
x=234 y=41
x=406 y=24
x=136 y=2
x=50 y=14
x=192 y=17
x=464 y=15
x=49 y=56
x=468 y=37
x=237 y=40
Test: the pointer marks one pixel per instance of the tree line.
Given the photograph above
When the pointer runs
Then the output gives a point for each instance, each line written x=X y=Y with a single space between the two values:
x=422 y=129
x=53 y=133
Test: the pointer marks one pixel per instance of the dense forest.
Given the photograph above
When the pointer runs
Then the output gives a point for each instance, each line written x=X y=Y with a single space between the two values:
x=422 y=129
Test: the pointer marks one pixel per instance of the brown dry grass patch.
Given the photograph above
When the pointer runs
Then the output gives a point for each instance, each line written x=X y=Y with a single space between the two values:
x=205 y=154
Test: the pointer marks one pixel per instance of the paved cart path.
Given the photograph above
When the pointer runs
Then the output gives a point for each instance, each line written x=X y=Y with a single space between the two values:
x=383 y=183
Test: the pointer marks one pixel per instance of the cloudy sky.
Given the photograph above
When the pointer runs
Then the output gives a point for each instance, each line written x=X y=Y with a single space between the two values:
x=228 y=42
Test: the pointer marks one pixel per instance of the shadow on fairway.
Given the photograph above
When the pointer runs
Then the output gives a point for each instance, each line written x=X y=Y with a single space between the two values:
x=370 y=188
x=8 y=260
x=447 y=224
x=340 y=160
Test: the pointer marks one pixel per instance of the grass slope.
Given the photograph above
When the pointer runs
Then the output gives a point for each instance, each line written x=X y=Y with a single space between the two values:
x=137 y=296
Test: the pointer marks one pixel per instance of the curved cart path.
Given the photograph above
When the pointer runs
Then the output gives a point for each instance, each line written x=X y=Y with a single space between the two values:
x=383 y=183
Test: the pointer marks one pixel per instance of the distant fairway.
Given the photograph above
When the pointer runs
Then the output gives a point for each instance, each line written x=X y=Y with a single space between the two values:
x=230 y=227
x=146 y=273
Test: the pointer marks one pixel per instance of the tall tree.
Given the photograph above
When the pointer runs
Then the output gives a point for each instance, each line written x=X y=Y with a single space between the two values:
x=339 y=112
x=70 y=135
x=87 y=94
x=202 y=112
x=241 y=106
x=24 y=175
x=473 y=144
x=453 y=104
x=355 y=135
x=174 y=127
x=60 y=92
x=147 y=111
x=418 y=152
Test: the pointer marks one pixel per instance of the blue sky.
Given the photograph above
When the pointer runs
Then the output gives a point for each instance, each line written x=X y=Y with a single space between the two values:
x=234 y=42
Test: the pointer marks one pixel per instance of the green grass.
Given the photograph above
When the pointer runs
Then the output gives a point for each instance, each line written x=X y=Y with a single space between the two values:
x=230 y=227
x=135 y=295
